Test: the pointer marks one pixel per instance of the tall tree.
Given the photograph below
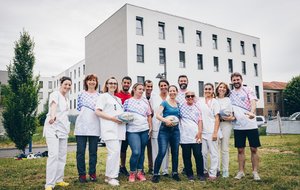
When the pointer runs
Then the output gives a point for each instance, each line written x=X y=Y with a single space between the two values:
x=21 y=101
x=291 y=95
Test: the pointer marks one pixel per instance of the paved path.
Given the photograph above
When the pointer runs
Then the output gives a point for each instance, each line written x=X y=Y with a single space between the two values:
x=11 y=152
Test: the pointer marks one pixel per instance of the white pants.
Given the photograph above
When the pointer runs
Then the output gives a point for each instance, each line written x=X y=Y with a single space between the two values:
x=56 y=161
x=226 y=128
x=211 y=147
x=113 y=158
x=165 y=162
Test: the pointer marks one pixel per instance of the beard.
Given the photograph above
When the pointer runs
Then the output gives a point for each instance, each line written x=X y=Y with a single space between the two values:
x=125 y=89
x=237 y=85
x=183 y=86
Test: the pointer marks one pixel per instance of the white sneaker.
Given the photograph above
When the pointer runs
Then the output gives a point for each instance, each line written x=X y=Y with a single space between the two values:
x=112 y=182
x=256 y=176
x=239 y=175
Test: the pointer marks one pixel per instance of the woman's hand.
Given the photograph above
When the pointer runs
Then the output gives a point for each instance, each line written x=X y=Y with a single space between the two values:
x=228 y=118
x=198 y=137
x=168 y=122
x=250 y=115
x=215 y=136
x=114 y=119
x=52 y=120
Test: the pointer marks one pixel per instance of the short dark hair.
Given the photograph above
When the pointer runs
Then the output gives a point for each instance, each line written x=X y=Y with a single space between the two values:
x=90 y=77
x=236 y=74
x=183 y=76
x=126 y=78
x=163 y=80
x=147 y=81
x=64 y=78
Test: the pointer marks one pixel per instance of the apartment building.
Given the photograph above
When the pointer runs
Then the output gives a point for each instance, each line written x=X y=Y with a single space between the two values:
x=148 y=44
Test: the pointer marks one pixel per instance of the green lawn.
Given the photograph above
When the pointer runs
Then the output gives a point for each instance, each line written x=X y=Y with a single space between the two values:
x=279 y=169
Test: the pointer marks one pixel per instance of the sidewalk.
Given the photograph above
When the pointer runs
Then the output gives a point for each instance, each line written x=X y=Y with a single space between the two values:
x=12 y=152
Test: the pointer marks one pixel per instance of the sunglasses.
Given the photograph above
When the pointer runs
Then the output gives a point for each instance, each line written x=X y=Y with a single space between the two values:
x=190 y=96
x=112 y=83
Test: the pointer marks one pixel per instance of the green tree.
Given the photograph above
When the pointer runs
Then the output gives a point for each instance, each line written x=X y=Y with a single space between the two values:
x=21 y=100
x=291 y=95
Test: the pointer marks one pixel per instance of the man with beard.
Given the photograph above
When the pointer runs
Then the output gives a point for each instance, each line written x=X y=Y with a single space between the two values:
x=124 y=94
x=243 y=100
x=183 y=83
x=148 y=85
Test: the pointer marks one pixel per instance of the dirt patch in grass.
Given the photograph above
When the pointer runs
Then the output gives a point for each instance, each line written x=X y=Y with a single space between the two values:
x=273 y=150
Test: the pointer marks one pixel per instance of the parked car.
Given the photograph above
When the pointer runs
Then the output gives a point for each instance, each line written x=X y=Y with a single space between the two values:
x=295 y=116
x=260 y=120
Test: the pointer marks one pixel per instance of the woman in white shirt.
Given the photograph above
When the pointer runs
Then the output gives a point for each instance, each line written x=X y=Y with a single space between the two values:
x=108 y=107
x=190 y=135
x=226 y=116
x=56 y=131
x=138 y=130
x=210 y=116
x=87 y=128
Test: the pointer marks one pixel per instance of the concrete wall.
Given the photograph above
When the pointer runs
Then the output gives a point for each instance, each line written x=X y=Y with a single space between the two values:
x=288 y=127
x=106 y=48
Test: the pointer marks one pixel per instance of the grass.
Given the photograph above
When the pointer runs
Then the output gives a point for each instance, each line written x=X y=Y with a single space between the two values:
x=279 y=169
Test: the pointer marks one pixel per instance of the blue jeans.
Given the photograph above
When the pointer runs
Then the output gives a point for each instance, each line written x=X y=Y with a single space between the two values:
x=167 y=135
x=80 y=153
x=137 y=142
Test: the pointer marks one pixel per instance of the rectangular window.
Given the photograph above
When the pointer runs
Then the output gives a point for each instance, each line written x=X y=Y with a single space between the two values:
x=74 y=73
x=275 y=98
x=162 y=56
x=270 y=113
x=231 y=86
x=255 y=70
x=161 y=30
x=78 y=72
x=198 y=38
x=216 y=84
x=70 y=104
x=141 y=79
x=79 y=86
x=40 y=95
x=54 y=84
x=215 y=41
x=180 y=34
x=200 y=61
x=140 y=53
x=244 y=67
x=268 y=97
x=181 y=59
x=229 y=48
x=257 y=91
x=50 y=84
x=74 y=103
x=216 y=64
x=254 y=50
x=71 y=75
x=230 y=66
x=74 y=87
x=139 y=26
x=242 y=47
x=41 y=84
x=83 y=69
x=201 y=88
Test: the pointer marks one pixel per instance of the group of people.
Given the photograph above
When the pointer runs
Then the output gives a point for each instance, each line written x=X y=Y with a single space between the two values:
x=161 y=122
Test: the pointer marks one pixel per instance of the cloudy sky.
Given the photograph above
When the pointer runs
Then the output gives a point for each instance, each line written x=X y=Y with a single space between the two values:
x=59 y=27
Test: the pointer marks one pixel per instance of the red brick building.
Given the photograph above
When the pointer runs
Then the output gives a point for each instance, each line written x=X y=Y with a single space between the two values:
x=273 y=98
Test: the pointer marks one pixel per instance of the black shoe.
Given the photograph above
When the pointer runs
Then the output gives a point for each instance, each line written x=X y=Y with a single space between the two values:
x=218 y=173
x=155 y=178
x=183 y=171
x=165 y=175
x=191 y=178
x=202 y=178
x=123 y=171
x=176 y=177
x=150 y=171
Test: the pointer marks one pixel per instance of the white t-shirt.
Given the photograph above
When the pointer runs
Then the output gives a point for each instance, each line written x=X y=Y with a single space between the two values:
x=61 y=127
x=87 y=122
x=209 y=111
x=155 y=101
x=112 y=106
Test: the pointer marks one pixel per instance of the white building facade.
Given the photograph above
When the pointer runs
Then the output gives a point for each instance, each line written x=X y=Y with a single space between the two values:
x=143 y=43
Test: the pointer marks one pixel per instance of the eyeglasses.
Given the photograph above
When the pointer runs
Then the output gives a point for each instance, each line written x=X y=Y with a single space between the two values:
x=190 y=96
x=207 y=88
x=112 y=83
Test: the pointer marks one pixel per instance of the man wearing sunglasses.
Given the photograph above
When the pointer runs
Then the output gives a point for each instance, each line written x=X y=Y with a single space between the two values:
x=243 y=100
